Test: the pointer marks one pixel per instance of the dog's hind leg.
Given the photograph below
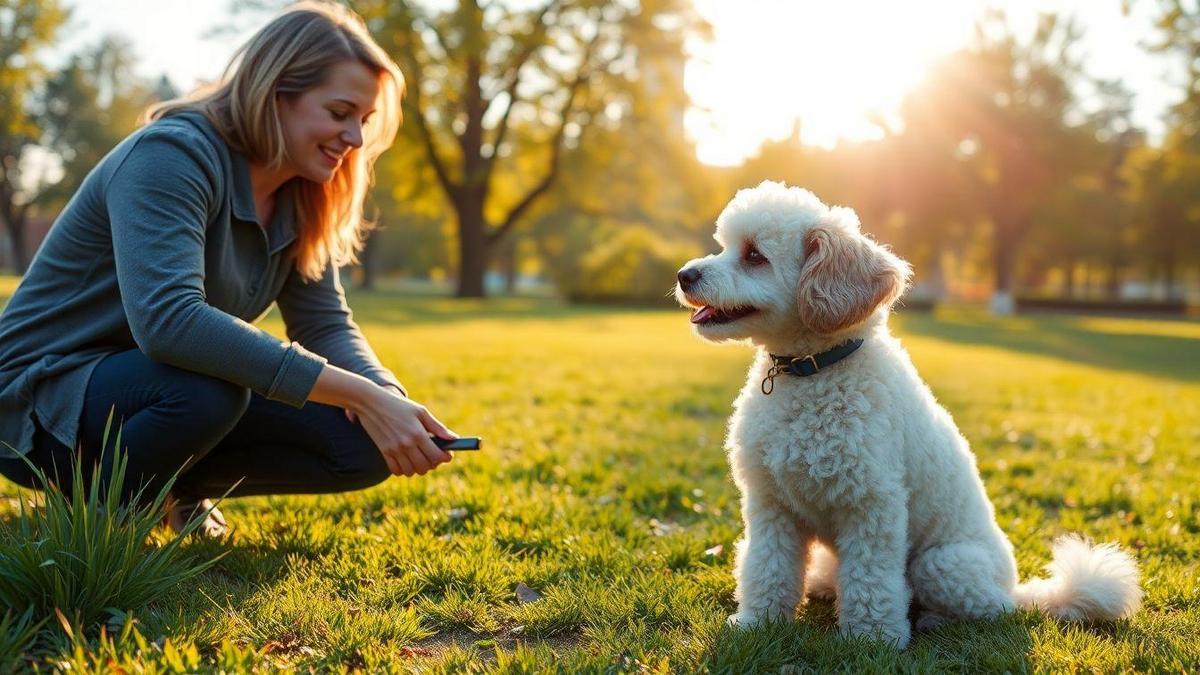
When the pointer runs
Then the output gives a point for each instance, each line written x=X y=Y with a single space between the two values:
x=770 y=561
x=820 y=578
x=961 y=581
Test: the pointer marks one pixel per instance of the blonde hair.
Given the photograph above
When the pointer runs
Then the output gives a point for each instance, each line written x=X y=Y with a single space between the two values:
x=290 y=55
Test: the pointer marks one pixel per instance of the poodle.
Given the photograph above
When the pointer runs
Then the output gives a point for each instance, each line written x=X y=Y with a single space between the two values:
x=855 y=482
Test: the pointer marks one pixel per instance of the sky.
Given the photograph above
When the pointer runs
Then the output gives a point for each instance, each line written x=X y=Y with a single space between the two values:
x=827 y=63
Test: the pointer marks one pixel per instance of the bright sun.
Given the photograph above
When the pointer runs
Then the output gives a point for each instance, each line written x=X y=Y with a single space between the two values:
x=830 y=65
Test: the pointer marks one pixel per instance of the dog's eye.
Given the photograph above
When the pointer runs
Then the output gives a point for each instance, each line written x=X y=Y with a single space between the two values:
x=753 y=257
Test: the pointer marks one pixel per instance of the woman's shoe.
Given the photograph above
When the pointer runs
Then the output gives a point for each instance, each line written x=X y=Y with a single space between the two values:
x=179 y=512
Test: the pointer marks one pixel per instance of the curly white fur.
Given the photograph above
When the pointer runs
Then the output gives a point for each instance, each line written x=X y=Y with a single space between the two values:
x=855 y=481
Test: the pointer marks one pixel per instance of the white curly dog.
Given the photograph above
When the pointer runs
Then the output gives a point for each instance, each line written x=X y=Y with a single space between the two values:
x=855 y=482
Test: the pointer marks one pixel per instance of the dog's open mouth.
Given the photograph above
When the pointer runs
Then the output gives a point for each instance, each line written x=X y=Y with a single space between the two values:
x=711 y=316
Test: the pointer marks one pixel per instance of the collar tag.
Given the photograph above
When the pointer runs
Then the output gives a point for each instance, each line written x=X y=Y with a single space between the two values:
x=768 y=383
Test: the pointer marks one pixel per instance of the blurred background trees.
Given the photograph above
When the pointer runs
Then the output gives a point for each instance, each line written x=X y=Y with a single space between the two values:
x=501 y=95
x=545 y=141
x=26 y=26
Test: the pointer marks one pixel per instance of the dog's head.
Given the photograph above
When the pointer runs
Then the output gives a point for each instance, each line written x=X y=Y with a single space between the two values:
x=790 y=266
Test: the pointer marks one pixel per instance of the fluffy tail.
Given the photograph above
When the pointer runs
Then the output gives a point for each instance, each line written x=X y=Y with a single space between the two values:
x=1087 y=583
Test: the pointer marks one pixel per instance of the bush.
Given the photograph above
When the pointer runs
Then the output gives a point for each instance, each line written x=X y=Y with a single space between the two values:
x=87 y=555
x=636 y=265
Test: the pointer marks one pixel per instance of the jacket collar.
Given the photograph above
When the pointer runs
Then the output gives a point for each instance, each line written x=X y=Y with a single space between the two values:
x=240 y=191
x=281 y=231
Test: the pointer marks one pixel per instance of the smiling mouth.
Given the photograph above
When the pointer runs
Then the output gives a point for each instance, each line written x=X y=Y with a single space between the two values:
x=330 y=155
x=714 y=316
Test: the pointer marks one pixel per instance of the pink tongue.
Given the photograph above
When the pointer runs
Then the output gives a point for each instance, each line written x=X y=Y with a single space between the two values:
x=703 y=314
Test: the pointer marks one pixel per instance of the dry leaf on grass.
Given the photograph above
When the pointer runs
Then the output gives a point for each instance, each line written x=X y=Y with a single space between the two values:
x=526 y=594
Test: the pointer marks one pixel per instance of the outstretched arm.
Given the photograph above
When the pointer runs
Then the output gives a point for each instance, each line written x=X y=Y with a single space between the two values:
x=317 y=316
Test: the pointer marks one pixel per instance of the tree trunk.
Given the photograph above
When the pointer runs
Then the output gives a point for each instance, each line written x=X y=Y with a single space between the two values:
x=1112 y=287
x=1004 y=252
x=472 y=246
x=1168 y=271
x=508 y=260
x=1069 y=278
x=936 y=278
x=368 y=262
x=17 y=238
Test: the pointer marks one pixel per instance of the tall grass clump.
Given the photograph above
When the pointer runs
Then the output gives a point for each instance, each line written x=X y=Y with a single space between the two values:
x=86 y=554
x=16 y=634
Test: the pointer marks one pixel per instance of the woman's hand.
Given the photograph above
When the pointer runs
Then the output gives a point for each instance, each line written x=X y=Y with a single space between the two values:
x=399 y=426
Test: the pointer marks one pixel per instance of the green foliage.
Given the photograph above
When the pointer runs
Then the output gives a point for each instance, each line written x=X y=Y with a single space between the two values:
x=75 y=115
x=88 y=555
x=26 y=27
x=125 y=649
x=532 y=86
x=629 y=266
x=16 y=634
x=86 y=108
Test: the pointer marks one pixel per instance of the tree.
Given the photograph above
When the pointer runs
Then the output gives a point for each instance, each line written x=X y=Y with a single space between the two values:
x=26 y=26
x=636 y=179
x=1005 y=107
x=1166 y=182
x=498 y=94
x=1170 y=182
x=86 y=108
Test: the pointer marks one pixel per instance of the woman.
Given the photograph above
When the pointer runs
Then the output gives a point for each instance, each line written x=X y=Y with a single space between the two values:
x=142 y=296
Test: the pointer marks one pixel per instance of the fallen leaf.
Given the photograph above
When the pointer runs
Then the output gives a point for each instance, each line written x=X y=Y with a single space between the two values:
x=526 y=594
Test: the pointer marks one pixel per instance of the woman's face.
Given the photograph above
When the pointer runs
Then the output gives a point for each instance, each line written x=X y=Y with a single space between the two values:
x=323 y=124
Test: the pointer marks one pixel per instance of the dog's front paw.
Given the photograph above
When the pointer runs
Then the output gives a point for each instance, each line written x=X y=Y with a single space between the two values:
x=744 y=620
x=897 y=634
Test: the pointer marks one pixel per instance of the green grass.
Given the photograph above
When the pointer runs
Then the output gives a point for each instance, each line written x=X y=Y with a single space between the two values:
x=603 y=487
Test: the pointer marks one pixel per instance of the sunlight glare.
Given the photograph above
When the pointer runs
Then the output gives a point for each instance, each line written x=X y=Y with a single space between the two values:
x=831 y=66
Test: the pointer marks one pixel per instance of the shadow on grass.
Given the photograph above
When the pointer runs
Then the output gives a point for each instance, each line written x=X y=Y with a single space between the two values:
x=812 y=644
x=1071 y=338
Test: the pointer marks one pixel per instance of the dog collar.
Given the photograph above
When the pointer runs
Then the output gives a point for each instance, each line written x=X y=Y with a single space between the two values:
x=810 y=364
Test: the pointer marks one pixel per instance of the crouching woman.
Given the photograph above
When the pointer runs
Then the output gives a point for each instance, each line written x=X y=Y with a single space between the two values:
x=144 y=294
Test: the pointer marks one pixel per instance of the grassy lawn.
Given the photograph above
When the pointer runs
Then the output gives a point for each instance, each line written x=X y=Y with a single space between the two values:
x=603 y=488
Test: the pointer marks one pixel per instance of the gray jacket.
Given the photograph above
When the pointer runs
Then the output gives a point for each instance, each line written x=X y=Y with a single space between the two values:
x=160 y=250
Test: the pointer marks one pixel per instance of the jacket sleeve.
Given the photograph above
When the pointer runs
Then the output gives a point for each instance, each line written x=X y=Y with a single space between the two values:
x=316 y=315
x=159 y=200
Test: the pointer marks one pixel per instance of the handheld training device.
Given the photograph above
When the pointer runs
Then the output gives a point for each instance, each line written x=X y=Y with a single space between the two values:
x=463 y=443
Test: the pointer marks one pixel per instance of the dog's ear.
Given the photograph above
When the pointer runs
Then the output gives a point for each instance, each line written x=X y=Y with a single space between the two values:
x=846 y=276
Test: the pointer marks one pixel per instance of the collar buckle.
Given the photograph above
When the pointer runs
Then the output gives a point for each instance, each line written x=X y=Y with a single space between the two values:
x=797 y=363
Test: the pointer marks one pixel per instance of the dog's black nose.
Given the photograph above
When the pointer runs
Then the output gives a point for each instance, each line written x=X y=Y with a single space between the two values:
x=688 y=277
